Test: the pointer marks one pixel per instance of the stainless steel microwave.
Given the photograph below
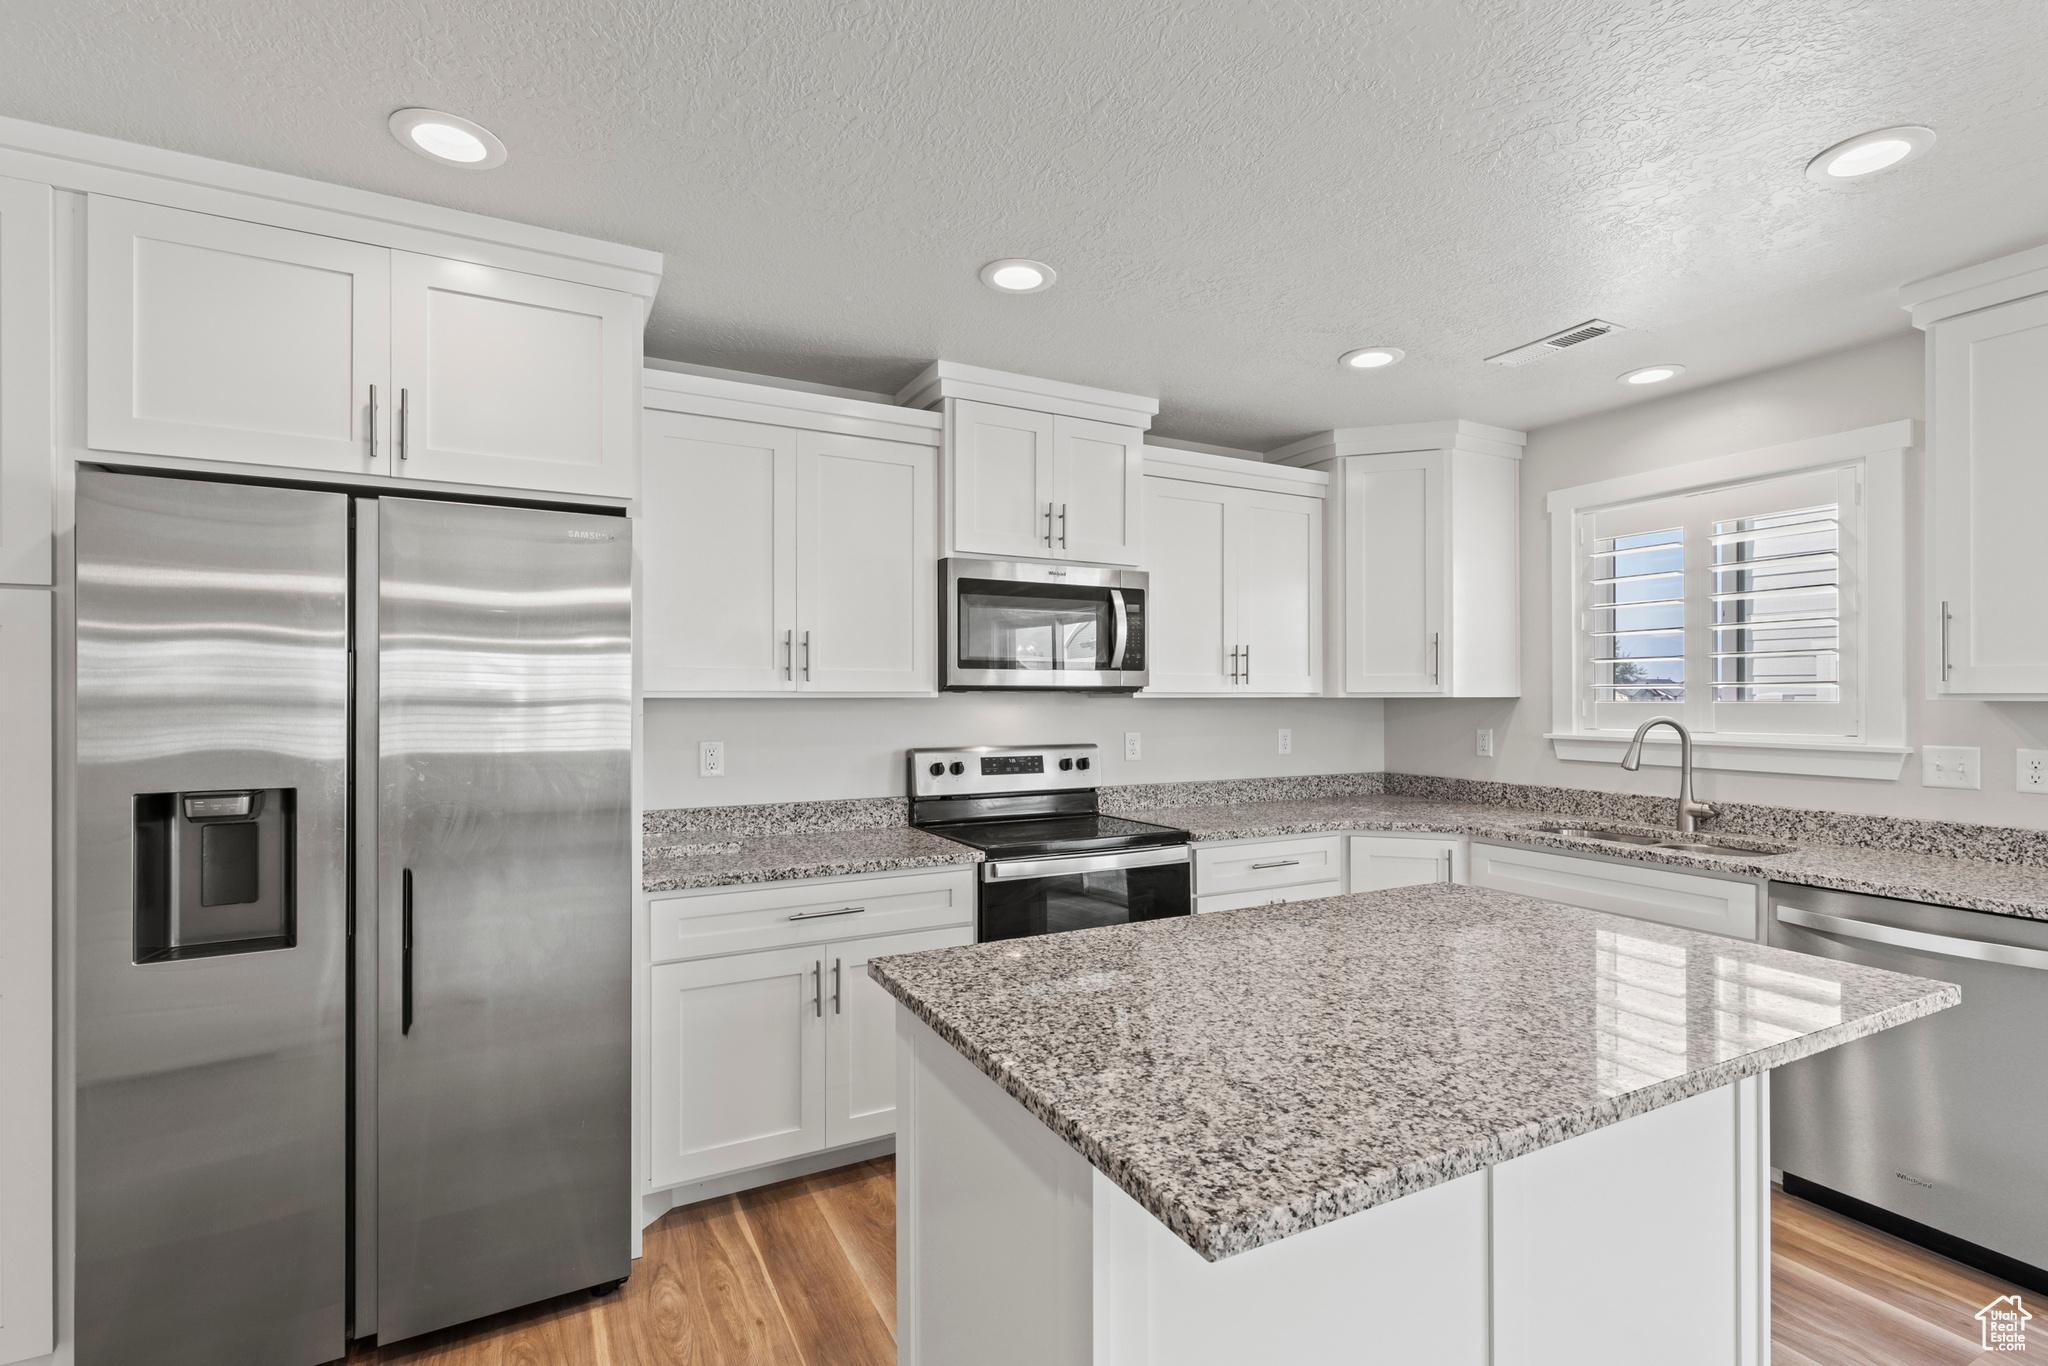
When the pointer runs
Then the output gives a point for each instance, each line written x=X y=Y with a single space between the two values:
x=1012 y=624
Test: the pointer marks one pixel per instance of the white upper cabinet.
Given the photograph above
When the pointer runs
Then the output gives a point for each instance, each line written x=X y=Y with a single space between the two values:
x=777 y=557
x=212 y=338
x=513 y=380
x=27 y=445
x=1236 y=566
x=1987 y=432
x=216 y=339
x=1422 y=559
x=1035 y=469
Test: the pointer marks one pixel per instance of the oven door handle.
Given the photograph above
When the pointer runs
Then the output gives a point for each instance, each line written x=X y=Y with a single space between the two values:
x=1123 y=629
x=1016 y=870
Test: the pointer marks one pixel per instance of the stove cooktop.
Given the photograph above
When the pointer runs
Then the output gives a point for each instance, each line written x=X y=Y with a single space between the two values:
x=1031 y=836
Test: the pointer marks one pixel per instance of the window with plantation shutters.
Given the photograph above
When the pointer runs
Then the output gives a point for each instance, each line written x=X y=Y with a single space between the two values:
x=1730 y=608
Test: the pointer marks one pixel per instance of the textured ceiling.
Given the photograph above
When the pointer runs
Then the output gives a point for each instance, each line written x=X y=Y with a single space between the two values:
x=1233 y=191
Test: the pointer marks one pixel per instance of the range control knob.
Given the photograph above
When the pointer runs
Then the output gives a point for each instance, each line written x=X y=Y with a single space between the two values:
x=1066 y=764
x=936 y=769
x=1080 y=763
x=956 y=768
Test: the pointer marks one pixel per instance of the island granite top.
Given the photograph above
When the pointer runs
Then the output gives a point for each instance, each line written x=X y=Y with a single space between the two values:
x=1249 y=1075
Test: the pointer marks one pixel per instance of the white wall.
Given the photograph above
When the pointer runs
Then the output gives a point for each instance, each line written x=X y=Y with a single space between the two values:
x=786 y=749
x=1870 y=384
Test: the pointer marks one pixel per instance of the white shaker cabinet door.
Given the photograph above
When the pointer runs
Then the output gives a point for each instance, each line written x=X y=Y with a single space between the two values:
x=717 y=545
x=27 y=450
x=1098 y=489
x=739 y=1062
x=1276 y=548
x=215 y=339
x=1382 y=861
x=1001 y=472
x=866 y=565
x=1191 y=619
x=1394 y=573
x=26 y=1212
x=1986 y=447
x=513 y=380
x=860 y=1033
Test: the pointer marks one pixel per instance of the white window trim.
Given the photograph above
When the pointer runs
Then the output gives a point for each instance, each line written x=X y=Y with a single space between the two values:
x=1880 y=754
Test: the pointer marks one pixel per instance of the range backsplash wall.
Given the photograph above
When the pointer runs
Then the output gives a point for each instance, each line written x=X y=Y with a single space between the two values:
x=810 y=749
x=1880 y=382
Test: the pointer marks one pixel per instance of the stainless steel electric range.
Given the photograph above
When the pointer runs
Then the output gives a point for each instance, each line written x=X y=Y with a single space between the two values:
x=1054 y=861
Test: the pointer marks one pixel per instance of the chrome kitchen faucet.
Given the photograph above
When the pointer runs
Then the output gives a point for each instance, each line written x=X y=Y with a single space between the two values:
x=1688 y=809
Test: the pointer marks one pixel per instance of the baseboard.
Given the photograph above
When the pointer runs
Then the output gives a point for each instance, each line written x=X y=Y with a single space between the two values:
x=2022 y=1274
x=657 y=1203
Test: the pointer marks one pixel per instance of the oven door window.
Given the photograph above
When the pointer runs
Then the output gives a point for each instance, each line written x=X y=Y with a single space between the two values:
x=1035 y=626
x=1081 y=901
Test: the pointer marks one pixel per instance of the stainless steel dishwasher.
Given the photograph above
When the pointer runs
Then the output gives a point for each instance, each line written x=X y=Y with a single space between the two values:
x=1941 y=1125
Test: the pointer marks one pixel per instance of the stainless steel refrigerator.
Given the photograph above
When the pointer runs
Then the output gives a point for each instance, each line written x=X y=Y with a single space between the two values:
x=354 y=895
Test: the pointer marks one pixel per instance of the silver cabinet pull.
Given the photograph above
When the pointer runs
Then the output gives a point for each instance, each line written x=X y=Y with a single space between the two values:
x=835 y=986
x=789 y=656
x=1944 y=641
x=1436 y=656
x=818 y=987
x=807 y=656
x=820 y=915
x=373 y=422
x=1233 y=664
x=1981 y=950
x=1048 y=526
x=1063 y=526
x=1245 y=662
x=1278 y=863
x=405 y=424
x=1447 y=866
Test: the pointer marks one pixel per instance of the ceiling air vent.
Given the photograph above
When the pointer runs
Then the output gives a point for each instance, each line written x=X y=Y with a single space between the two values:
x=1574 y=335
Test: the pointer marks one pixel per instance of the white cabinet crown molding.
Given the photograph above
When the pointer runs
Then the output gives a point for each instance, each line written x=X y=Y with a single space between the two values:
x=676 y=392
x=1232 y=472
x=1984 y=285
x=1450 y=434
x=71 y=160
x=946 y=379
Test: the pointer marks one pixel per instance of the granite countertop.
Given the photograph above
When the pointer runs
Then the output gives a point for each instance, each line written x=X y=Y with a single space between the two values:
x=1944 y=880
x=1252 y=1074
x=703 y=859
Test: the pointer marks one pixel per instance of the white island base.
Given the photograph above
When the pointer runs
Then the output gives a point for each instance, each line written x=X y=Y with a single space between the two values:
x=1647 y=1240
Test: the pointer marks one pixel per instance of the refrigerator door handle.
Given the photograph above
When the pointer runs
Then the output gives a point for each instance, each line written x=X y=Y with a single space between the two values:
x=405 y=953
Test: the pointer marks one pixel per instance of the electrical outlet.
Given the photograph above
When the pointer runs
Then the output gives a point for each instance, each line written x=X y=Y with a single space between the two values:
x=1133 y=747
x=1486 y=744
x=2033 y=770
x=1951 y=766
x=1286 y=740
x=711 y=759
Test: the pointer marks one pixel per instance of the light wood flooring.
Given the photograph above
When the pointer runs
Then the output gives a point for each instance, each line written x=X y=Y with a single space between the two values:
x=804 y=1274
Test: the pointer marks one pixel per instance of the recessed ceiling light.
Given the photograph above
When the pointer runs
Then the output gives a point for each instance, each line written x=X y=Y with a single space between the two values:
x=1371 y=357
x=1015 y=275
x=447 y=139
x=1651 y=374
x=1869 y=153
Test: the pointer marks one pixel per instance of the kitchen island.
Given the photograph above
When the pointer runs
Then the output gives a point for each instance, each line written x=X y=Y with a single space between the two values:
x=1436 y=1123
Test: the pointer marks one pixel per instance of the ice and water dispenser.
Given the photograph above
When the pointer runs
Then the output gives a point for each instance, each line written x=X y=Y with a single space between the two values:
x=213 y=872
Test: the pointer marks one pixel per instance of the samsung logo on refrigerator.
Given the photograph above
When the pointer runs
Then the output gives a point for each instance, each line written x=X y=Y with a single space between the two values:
x=592 y=536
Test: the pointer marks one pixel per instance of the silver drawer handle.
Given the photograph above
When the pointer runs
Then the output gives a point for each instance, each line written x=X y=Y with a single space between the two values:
x=820 y=915
x=1278 y=863
x=1984 y=952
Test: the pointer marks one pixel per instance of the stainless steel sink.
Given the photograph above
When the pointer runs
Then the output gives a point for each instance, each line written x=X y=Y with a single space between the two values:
x=1697 y=842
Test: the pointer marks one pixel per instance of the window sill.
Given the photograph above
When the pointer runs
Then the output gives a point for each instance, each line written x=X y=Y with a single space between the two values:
x=1741 y=754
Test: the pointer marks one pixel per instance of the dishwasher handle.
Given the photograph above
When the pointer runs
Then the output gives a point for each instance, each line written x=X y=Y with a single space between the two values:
x=1982 y=951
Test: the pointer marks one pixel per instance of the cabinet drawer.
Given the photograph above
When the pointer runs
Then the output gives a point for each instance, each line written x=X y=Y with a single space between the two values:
x=1689 y=901
x=1274 y=896
x=1271 y=863
x=1382 y=861
x=780 y=915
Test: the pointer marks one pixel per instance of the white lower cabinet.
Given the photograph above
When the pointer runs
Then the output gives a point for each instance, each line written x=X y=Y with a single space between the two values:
x=1689 y=901
x=1272 y=896
x=1380 y=861
x=766 y=1055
